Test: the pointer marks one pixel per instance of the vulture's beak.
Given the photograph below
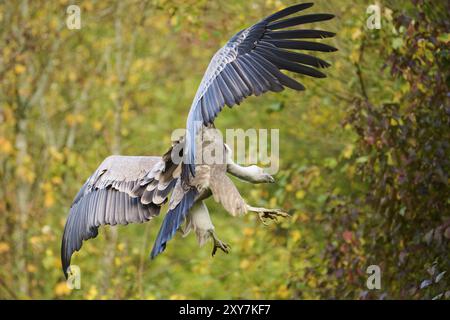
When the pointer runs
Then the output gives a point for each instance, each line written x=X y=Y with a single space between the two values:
x=270 y=179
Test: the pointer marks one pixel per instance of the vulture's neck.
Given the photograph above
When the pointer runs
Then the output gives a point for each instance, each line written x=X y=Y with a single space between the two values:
x=249 y=174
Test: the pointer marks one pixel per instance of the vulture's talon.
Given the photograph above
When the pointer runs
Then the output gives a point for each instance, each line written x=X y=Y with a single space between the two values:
x=261 y=217
x=272 y=214
x=219 y=244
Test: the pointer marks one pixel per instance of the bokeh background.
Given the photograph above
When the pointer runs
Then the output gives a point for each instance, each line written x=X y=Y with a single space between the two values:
x=364 y=153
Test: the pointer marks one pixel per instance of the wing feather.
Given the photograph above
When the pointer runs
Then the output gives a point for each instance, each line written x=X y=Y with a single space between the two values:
x=250 y=64
x=295 y=21
x=108 y=198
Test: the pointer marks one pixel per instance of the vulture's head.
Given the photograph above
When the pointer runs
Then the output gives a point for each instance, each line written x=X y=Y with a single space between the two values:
x=259 y=175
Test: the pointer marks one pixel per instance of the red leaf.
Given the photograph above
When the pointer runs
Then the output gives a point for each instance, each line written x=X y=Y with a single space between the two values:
x=348 y=236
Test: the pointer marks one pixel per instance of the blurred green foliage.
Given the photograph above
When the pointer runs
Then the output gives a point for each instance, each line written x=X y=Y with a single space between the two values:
x=364 y=153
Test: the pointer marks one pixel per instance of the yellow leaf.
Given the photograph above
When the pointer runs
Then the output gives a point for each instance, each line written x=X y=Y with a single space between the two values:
x=88 y=6
x=421 y=87
x=356 y=34
x=6 y=146
x=134 y=79
x=34 y=240
x=121 y=246
x=300 y=194
x=54 y=23
x=73 y=119
x=354 y=56
x=348 y=151
x=248 y=232
x=57 y=180
x=72 y=76
x=312 y=282
x=31 y=268
x=388 y=14
x=4 y=247
x=62 y=289
x=56 y=155
x=49 y=199
x=19 y=68
x=283 y=291
x=244 y=264
x=97 y=125
x=295 y=235
x=27 y=174
x=92 y=293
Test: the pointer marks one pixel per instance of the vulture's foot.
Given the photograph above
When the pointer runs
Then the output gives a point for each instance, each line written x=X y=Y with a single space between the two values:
x=218 y=244
x=265 y=214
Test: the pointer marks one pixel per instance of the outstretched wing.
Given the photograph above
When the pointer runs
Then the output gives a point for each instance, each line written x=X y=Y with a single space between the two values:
x=122 y=190
x=250 y=64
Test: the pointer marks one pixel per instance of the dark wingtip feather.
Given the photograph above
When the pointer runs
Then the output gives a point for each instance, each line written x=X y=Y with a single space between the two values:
x=299 y=34
x=65 y=261
x=294 y=21
x=157 y=250
x=302 y=45
x=288 y=11
x=323 y=64
x=332 y=49
x=328 y=34
x=66 y=248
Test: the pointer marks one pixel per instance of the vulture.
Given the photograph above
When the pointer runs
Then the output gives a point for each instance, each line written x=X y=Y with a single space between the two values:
x=133 y=189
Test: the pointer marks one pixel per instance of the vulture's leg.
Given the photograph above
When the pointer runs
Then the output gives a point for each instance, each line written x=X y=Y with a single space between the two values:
x=200 y=222
x=265 y=213
x=218 y=244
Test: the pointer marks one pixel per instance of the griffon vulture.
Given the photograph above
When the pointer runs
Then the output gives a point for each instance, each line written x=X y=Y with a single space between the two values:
x=126 y=189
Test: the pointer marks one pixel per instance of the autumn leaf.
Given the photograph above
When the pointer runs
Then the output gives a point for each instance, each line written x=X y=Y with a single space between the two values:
x=4 y=247
x=347 y=236
x=61 y=289
x=19 y=68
